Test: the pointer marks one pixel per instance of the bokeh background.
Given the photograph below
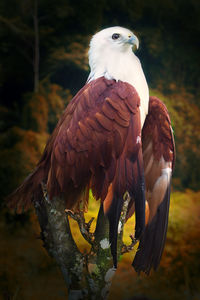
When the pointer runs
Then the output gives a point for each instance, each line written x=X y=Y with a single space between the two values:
x=43 y=63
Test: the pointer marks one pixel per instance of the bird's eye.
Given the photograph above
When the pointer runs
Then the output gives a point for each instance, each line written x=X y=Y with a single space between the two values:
x=115 y=36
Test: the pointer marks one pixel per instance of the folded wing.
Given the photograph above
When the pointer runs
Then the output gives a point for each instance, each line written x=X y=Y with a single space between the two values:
x=97 y=145
x=158 y=156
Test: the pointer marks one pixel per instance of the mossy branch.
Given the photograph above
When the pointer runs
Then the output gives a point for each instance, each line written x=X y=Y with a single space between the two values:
x=87 y=276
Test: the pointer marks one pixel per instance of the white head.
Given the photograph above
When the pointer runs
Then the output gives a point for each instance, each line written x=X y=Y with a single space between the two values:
x=108 y=48
x=111 y=56
x=113 y=38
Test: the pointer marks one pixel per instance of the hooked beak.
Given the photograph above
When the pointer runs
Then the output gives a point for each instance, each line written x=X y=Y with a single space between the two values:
x=133 y=40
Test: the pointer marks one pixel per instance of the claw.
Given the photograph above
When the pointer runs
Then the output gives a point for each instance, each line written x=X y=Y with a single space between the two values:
x=88 y=225
x=133 y=239
x=69 y=211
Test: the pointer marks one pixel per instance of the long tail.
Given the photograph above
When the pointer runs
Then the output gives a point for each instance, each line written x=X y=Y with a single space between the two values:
x=113 y=217
x=153 y=240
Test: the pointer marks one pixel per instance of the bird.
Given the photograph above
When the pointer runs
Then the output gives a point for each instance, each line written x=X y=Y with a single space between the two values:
x=112 y=138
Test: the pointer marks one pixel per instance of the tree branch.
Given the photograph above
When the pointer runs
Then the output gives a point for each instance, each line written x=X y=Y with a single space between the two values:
x=86 y=276
x=83 y=226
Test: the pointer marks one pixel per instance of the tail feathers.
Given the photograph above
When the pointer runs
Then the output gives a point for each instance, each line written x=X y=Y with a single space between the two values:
x=20 y=200
x=113 y=217
x=153 y=240
x=129 y=178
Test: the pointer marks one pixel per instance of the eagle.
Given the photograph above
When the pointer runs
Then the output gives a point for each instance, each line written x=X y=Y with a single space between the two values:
x=113 y=139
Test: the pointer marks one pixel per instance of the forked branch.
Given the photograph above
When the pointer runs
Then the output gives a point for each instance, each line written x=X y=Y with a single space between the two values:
x=87 y=276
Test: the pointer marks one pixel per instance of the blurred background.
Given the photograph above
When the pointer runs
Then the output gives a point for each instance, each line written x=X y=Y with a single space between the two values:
x=43 y=63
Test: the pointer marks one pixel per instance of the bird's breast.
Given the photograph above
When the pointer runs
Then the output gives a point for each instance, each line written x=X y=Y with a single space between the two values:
x=134 y=75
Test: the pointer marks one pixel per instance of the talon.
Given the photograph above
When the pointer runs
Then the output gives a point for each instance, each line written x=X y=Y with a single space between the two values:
x=88 y=225
x=69 y=211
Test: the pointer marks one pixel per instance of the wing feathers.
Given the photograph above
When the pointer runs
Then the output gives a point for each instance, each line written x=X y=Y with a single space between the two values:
x=139 y=195
x=99 y=135
x=128 y=177
x=159 y=156
x=105 y=122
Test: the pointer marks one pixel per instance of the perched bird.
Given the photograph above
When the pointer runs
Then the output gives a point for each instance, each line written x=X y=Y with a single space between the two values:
x=112 y=138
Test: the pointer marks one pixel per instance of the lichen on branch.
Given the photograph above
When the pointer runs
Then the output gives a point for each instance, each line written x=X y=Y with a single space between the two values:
x=87 y=276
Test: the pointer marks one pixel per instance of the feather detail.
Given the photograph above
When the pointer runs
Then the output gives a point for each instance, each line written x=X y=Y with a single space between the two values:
x=159 y=157
x=87 y=142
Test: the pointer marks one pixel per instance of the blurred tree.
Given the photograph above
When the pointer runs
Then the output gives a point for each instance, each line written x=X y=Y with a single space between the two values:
x=28 y=33
x=20 y=152
x=21 y=28
x=43 y=109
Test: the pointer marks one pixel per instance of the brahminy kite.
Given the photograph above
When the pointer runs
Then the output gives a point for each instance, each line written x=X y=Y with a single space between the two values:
x=112 y=138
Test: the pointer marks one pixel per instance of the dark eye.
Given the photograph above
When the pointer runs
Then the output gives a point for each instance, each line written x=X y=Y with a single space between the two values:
x=115 y=36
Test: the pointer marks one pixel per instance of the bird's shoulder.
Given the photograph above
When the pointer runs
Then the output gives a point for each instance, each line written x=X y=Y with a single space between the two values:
x=101 y=99
x=94 y=92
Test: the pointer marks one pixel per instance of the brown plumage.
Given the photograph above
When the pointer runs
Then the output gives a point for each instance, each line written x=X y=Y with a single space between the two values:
x=159 y=158
x=97 y=144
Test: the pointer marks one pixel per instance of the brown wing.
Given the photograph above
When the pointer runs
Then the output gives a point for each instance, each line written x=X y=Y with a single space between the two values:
x=94 y=144
x=99 y=146
x=159 y=156
x=91 y=146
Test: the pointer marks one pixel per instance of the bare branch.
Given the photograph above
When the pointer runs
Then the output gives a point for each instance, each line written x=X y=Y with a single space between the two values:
x=83 y=226
x=128 y=248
